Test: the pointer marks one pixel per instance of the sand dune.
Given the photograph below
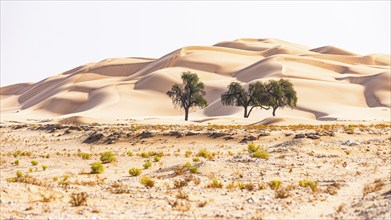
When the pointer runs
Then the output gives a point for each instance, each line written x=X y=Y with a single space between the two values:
x=332 y=84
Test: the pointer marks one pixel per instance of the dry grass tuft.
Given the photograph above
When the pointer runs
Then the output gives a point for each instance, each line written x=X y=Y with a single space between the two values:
x=79 y=199
x=377 y=185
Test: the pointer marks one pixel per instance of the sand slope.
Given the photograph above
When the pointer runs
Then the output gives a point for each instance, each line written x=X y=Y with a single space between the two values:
x=332 y=84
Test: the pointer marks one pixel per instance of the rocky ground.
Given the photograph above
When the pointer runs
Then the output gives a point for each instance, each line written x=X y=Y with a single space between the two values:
x=197 y=172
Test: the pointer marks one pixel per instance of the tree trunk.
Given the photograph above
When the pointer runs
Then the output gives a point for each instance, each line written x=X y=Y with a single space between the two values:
x=245 y=112
x=274 y=111
x=186 y=114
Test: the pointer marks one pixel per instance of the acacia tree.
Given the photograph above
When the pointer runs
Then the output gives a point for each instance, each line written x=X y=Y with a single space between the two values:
x=238 y=96
x=189 y=94
x=280 y=94
x=272 y=94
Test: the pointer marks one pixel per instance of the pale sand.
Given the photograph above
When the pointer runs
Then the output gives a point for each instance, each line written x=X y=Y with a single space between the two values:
x=332 y=84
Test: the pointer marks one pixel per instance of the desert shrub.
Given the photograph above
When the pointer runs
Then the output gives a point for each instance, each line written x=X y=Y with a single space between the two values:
x=215 y=184
x=377 y=185
x=147 y=181
x=97 y=168
x=129 y=153
x=19 y=173
x=157 y=158
x=180 y=183
x=261 y=154
x=44 y=167
x=147 y=165
x=282 y=193
x=107 y=157
x=249 y=186
x=182 y=195
x=203 y=153
x=252 y=148
x=188 y=153
x=47 y=197
x=308 y=183
x=16 y=162
x=79 y=199
x=193 y=169
x=34 y=162
x=240 y=185
x=135 y=172
x=187 y=165
x=26 y=153
x=274 y=184
x=231 y=185
x=16 y=153
x=85 y=156
x=145 y=155
x=262 y=186
x=31 y=169
x=196 y=159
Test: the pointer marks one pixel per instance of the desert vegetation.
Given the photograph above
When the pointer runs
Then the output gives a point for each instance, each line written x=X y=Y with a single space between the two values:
x=272 y=94
x=283 y=169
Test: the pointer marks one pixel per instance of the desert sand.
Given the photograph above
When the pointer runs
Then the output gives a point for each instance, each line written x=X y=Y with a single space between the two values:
x=332 y=85
x=348 y=167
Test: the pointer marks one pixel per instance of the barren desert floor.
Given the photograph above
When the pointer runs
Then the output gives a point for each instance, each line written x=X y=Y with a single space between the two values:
x=197 y=172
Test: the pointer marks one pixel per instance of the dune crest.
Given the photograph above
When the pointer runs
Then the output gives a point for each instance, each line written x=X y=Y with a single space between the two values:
x=332 y=84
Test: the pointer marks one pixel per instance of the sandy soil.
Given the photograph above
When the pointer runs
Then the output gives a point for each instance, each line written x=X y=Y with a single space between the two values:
x=348 y=168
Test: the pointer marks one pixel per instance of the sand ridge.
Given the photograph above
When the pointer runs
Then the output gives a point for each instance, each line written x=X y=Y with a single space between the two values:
x=332 y=84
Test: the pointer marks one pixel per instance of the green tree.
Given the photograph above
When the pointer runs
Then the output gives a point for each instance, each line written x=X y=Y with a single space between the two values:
x=189 y=94
x=255 y=96
x=272 y=94
x=280 y=94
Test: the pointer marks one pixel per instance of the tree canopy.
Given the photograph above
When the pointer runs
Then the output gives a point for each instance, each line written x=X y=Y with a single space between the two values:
x=189 y=94
x=238 y=96
x=272 y=94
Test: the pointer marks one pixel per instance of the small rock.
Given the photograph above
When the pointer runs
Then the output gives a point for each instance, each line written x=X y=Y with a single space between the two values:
x=297 y=136
x=250 y=200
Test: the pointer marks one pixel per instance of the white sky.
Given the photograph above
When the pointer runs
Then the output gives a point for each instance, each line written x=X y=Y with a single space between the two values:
x=40 y=39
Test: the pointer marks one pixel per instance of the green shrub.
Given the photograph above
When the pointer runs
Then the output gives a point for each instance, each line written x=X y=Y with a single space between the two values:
x=188 y=153
x=274 y=184
x=308 y=183
x=147 y=165
x=135 y=172
x=196 y=159
x=97 y=168
x=107 y=157
x=187 y=165
x=19 y=174
x=205 y=154
x=261 y=154
x=44 y=167
x=193 y=169
x=129 y=153
x=157 y=158
x=34 y=162
x=85 y=156
x=147 y=181
x=31 y=169
x=253 y=148
x=16 y=162
x=145 y=155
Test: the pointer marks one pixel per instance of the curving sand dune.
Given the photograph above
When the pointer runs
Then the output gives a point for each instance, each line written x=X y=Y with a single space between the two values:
x=332 y=84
